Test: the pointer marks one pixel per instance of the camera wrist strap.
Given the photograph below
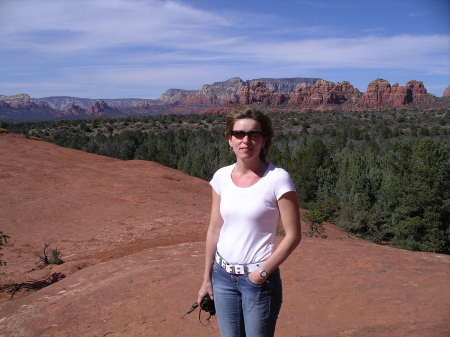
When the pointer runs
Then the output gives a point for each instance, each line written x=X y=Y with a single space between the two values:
x=194 y=306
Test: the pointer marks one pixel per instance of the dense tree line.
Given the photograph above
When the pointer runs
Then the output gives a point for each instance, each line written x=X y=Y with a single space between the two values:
x=384 y=176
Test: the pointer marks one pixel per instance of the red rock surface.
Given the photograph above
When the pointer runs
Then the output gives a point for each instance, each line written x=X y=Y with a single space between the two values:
x=259 y=93
x=323 y=92
x=288 y=94
x=380 y=93
x=132 y=237
x=446 y=92
x=72 y=110
x=100 y=108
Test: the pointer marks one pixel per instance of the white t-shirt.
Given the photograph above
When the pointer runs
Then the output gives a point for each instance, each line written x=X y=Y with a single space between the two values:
x=250 y=214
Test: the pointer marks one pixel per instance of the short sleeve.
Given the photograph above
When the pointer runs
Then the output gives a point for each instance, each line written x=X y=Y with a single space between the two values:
x=284 y=183
x=219 y=179
x=215 y=182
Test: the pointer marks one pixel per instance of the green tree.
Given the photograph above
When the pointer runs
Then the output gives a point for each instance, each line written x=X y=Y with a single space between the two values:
x=358 y=181
x=315 y=220
x=424 y=205
x=304 y=168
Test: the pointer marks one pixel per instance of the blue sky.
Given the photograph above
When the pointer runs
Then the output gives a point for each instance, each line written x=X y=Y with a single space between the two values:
x=141 y=48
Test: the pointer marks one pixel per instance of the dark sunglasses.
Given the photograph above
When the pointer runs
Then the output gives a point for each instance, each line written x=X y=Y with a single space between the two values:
x=253 y=134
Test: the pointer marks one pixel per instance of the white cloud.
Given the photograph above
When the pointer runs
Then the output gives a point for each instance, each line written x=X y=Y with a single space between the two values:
x=143 y=42
x=414 y=15
x=118 y=32
x=70 y=26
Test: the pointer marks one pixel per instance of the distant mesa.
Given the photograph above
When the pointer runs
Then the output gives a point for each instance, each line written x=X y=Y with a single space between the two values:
x=99 y=109
x=229 y=91
x=381 y=93
x=73 y=110
x=310 y=96
x=293 y=94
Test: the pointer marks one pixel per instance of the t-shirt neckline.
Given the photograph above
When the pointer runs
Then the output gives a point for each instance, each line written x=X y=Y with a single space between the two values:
x=269 y=167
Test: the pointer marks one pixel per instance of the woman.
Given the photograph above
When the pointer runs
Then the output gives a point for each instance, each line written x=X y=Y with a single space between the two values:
x=248 y=199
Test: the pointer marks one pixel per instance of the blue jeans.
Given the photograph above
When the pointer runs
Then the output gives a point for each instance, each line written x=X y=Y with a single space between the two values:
x=244 y=308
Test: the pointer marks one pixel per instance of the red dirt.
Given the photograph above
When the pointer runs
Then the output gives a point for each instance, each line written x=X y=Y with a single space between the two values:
x=132 y=237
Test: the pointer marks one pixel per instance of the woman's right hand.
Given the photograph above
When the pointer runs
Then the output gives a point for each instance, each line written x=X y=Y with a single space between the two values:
x=206 y=289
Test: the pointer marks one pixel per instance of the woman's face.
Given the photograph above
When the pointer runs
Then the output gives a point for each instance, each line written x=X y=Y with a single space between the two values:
x=246 y=148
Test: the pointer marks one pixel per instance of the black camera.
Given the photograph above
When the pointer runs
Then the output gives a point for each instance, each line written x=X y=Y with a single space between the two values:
x=207 y=304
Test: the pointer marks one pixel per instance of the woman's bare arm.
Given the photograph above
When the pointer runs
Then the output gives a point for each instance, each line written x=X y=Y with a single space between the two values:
x=212 y=238
x=290 y=218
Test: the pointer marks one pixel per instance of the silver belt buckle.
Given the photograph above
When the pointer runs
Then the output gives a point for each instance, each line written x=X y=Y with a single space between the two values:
x=237 y=269
x=223 y=264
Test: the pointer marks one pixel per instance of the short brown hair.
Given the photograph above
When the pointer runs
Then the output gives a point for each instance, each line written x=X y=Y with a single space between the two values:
x=256 y=114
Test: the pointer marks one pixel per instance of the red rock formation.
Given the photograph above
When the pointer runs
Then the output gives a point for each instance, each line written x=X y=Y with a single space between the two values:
x=74 y=110
x=174 y=95
x=259 y=93
x=377 y=93
x=198 y=100
x=21 y=108
x=275 y=92
x=446 y=92
x=415 y=91
x=255 y=93
x=215 y=94
x=295 y=94
x=380 y=93
x=398 y=96
x=28 y=105
x=323 y=92
x=285 y=85
x=17 y=98
x=100 y=108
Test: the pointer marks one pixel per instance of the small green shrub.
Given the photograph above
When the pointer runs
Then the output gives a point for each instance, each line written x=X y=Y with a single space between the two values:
x=50 y=256
x=314 y=219
x=280 y=230
x=3 y=239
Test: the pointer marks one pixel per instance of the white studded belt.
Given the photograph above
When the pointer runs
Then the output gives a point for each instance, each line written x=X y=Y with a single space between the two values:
x=237 y=269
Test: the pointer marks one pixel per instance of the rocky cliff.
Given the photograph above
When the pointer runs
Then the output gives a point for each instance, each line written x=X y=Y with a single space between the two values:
x=446 y=92
x=381 y=93
x=16 y=98
x=285 y=85
x=260 y=93
x=22 y=106
x=310 y=95
x=98 y=109
x=73 y=111
x=295 y=94
x=175 y=95
x=101 y=108
x=62 y=103
x=324 y=92
x=324 y=95
x=229 y=91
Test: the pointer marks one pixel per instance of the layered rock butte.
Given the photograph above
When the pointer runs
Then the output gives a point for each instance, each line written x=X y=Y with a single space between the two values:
x=293 y=94
x=132 y=237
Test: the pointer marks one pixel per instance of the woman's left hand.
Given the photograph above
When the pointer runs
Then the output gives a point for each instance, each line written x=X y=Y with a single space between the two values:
x=255 y=277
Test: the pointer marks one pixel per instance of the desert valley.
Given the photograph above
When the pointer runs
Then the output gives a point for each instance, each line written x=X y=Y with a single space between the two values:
x=115 y=116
